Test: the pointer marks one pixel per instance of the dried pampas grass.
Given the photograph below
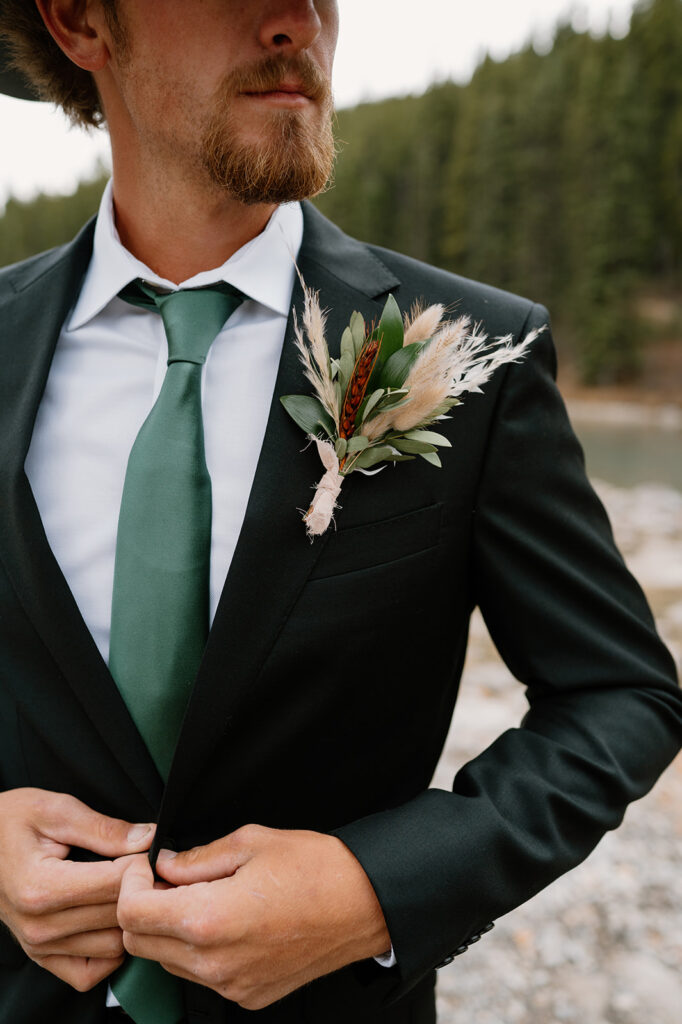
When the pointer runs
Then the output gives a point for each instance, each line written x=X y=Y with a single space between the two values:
x=454 y=362
x=314 y=352
x=421 y=324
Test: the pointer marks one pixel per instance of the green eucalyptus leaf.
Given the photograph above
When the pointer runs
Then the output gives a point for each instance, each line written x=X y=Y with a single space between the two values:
x=392 y=399
x=404 y=444
x=390 y=330
x=340 y=447
x=347 y=345
x=357 y=330
x=309 y=413
x=346 y=366
x=433 y=458
x=371 y=402
x=445 y=406
x=430 y=436
x=357 y=443
x=371 y=456
x=334 y=367
x=397 y=367
x=391 y=408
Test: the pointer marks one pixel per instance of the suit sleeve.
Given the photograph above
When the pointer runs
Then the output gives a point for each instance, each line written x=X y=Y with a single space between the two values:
x=605 y=711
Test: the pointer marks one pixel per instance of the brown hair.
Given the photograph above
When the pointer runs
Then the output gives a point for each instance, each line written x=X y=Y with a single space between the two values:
x=50 y=72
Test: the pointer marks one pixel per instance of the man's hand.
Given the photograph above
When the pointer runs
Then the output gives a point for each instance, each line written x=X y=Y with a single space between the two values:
x=63 y=913
x=254 y=915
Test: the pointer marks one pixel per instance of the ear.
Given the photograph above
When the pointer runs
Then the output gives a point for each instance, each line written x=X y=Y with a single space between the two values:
x=79 y=29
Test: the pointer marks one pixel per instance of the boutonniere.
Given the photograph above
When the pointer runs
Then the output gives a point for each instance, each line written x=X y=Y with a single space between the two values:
x=391 y=383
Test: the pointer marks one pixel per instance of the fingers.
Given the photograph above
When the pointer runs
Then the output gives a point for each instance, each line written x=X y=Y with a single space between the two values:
x=39 y=931
x=144 y=909
x=61 y=884
x=78 y=932
x=69 y=821
x=82 y=973
x=106 y=944
x=219 y=859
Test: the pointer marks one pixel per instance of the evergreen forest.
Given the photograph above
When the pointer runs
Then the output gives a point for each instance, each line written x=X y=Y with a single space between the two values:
x=557 y=175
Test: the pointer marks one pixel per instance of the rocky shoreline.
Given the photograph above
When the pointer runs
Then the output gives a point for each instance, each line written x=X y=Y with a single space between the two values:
x=603 y=945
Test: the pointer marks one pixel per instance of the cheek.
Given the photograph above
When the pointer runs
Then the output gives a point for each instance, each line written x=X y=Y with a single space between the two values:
x=329 y=34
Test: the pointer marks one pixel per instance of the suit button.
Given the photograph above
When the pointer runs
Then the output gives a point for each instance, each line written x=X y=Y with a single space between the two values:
x=461 y=949
x=474 y=938
x=448 y=960
x=488 y=928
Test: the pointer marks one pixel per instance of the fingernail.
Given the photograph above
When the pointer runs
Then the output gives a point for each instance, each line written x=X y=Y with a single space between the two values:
x=166 y=854
x=138 y=832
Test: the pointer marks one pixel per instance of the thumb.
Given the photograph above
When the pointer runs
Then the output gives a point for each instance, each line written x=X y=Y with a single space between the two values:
x=137 y=885
x=219 y=859
x=69 y=821
x=137 y=878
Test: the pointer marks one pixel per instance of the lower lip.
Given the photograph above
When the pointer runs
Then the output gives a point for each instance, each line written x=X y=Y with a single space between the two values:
x=280 y=98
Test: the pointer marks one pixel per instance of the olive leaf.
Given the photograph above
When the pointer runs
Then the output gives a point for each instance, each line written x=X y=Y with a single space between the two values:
x=309 y=414
x=357 y=332
x=404 y=444
x=390 y=329
x=430 y=436
x=357 y=443
x=347 y=344
x=433 y=458
x=397 y=367
x=381 y=453
x=369 y=403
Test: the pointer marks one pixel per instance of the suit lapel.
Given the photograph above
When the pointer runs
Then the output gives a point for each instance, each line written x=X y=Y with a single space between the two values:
x=273 y=558
x=32 y=313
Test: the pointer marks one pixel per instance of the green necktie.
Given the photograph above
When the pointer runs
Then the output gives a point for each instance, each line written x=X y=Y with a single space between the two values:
x=160 y=609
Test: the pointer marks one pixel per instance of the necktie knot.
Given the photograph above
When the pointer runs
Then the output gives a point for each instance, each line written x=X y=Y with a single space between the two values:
x=192 y=317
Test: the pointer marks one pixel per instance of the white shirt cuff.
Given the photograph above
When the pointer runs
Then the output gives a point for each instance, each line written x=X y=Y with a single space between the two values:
x=387 y=959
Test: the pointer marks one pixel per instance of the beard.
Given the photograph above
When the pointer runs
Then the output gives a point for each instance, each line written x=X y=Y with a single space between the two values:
x=294 y=155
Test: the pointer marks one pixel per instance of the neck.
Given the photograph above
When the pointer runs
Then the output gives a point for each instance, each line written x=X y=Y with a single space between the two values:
x=177 y=228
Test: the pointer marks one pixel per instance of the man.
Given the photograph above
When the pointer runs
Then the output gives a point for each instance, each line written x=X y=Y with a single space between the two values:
x=308 y=843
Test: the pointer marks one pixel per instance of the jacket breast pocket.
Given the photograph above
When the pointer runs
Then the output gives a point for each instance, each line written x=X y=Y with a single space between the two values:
x=378 y=543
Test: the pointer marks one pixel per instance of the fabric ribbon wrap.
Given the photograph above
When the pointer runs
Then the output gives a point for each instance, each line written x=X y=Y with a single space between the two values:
x=320 y=514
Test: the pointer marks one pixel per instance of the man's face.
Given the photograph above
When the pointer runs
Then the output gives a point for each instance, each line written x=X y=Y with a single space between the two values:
x=239 y=92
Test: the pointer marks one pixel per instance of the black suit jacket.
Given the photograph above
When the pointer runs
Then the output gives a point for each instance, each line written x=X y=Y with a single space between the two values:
x=331 y=672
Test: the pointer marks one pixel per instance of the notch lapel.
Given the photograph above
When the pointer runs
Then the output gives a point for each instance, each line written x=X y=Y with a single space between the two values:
x=273 y=557
x=35 y=302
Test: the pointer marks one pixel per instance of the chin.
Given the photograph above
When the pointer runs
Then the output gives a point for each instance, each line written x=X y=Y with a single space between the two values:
x=291 y=159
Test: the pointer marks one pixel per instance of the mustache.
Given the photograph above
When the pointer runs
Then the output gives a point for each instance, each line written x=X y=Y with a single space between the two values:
x=267 y=75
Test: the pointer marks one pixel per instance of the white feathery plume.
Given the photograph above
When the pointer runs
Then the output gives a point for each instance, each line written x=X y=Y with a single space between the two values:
x=421 y=324
x=476 y=364
x=454 y=362
x=314 y=321
x=315 y=354
x=428 y=381
x=437 y=361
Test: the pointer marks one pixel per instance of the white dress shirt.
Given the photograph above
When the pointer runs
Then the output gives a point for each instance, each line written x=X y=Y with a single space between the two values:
x=107 y=370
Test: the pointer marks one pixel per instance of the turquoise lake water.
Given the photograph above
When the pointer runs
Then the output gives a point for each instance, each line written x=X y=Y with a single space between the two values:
x=631 y=455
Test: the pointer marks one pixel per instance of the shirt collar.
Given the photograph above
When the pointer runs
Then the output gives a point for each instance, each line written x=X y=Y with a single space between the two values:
x=263 y=268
